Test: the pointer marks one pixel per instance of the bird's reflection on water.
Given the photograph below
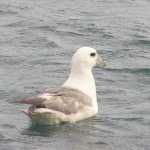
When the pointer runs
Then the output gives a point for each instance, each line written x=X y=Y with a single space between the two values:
x=44 y=130
x=83 y=133
x=52 y=130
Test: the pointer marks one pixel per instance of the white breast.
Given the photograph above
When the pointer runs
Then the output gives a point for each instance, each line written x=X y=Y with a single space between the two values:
x=84 y=83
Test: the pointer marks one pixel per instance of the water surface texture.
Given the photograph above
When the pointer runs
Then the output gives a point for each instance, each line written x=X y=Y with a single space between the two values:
x=37 y=40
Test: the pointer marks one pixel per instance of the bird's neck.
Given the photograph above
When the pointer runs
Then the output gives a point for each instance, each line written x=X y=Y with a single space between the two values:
x=83 y=80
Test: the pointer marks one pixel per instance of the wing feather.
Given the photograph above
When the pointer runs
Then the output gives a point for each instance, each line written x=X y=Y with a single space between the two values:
x=66 y=100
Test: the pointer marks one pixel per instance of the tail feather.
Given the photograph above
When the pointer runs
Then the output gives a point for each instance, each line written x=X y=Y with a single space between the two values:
x=32 y=100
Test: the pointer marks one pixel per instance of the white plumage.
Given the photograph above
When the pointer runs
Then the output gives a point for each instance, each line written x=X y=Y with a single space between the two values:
x=75 y=100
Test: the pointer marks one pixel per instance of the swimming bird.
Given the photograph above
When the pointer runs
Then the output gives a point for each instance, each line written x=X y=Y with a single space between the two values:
x=75 y=99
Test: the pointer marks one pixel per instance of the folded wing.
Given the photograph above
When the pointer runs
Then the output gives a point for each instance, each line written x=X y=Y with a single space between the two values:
x=64 y=99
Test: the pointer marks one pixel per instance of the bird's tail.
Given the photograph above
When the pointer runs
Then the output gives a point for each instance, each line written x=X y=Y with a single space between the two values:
x=32 y=100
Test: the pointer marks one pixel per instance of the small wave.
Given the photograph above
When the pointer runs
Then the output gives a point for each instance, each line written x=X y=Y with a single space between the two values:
x=71 y=33
x=44 y=28
x=11 y=60
x=145 y=71
x=16 y=24
x=8 y=12
x=129 y=119
x=140 y=42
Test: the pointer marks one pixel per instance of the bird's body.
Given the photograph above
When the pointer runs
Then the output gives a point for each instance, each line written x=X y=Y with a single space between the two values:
x=75 y=100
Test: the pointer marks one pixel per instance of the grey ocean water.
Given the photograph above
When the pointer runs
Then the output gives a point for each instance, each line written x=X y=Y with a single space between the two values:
x=37 y=40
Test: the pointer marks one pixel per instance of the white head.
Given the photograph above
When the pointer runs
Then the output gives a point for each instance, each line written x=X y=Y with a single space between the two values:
x=87 y=58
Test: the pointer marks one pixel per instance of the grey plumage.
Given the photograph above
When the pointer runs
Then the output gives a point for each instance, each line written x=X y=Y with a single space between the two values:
x=66 y=100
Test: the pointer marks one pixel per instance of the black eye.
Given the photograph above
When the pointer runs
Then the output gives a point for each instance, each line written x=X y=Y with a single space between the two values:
x=93 y=54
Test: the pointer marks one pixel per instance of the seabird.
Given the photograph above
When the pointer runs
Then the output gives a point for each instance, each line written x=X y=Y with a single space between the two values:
x=75 y=100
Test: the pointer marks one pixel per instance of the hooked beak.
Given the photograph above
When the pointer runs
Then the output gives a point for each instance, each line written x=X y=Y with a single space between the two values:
x=100 y=63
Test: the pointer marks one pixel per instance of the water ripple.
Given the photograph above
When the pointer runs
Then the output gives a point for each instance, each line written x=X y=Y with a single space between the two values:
x=145 y=71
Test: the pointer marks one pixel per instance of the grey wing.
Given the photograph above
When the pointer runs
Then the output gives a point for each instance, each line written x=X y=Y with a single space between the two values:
x=66 y=100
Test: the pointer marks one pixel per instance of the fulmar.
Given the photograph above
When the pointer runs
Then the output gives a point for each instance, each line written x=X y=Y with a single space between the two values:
x=75 y=100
